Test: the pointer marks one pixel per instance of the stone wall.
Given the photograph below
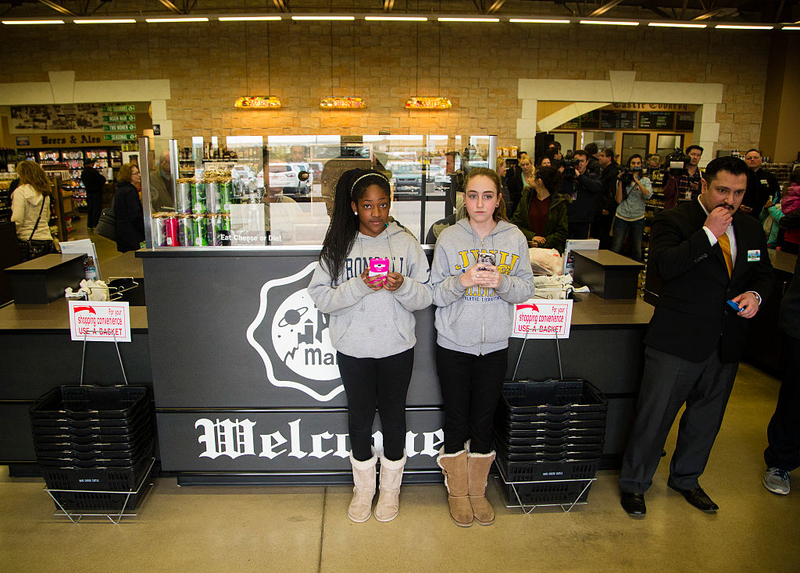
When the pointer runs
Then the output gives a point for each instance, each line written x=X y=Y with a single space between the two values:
x=476 y=65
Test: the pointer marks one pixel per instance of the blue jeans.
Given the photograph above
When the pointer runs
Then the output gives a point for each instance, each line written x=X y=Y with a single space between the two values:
x=636 y=229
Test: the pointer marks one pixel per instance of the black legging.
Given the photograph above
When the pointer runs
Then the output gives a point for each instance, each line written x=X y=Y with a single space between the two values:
x=471 y=387
x=376 y=381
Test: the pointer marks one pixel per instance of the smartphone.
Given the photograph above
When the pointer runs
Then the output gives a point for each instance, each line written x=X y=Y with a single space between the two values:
x=378 y=270
x=734 y=306
x=485 y=259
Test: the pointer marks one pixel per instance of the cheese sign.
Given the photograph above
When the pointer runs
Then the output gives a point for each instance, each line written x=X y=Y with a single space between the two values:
x=99 y=321
x=542 y=318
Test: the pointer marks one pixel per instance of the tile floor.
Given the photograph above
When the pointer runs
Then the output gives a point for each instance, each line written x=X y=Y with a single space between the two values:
x=305 y=529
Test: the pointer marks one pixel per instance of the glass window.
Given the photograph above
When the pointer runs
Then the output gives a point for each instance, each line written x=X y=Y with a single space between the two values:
x=633 y=143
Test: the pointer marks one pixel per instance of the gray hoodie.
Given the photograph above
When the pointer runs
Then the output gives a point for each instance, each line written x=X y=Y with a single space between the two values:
x=478 y=320
x=374 y=324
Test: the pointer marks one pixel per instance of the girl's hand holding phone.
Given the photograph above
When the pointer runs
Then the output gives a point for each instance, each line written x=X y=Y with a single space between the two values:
x=481 y=274
x=393 y=281
x=373 y=282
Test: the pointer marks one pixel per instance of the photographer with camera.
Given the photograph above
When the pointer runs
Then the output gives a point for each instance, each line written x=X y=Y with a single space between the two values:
x=605 y=202
x=687 y=183
x=632 y=191
x=580 y=188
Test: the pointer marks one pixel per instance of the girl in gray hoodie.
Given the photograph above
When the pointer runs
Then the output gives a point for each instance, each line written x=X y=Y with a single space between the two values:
x=481 y=269
x=371 y=278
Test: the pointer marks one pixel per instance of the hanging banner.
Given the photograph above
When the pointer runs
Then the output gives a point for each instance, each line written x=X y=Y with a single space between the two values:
x=542 y=318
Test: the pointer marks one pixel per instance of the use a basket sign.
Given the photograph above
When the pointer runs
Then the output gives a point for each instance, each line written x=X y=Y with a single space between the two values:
x=97 y=321
x=541 y=318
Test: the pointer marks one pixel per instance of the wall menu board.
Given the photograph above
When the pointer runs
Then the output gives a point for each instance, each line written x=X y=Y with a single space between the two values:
x=656 y=119
x=684 y=121
x=610 y=119
x=591 y=120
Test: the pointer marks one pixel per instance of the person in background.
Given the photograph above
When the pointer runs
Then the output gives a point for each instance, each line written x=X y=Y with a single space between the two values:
x=128 y=209
x=783 y=432
x=542 y=212
x=522 y=179
x=707 y=254
x=631 y=197
x=688 y=184
x=594 y=161
x=30 y=208
x=605 y=202
x=372 y=328
x=93 y=182
x=790 y=206
x=480 y=270
x=761 y=185
x=580 y=187
x=162 y=191
x=545 y=162
x=501 y=173
x=653 y=165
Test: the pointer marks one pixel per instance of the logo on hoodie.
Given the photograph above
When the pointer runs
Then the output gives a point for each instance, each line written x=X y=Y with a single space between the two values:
x=293 y=340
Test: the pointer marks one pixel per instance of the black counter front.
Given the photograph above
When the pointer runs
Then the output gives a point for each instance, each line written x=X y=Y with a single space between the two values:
x=247 y=388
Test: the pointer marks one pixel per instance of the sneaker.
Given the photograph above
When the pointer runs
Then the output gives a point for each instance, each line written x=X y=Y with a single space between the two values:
x=776 y=480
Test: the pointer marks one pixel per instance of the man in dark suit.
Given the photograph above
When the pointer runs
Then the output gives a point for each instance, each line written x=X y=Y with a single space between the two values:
x=706 y=254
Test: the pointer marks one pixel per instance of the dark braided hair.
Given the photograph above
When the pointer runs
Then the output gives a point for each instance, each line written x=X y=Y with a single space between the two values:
x=343 y=229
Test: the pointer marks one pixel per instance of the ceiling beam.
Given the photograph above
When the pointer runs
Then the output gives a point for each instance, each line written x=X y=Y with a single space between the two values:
x=58 y=7
x=388 y=5
x=281 y=5
x=605 y=8
x=170 y=6
x=496 y=5
x=709 y=15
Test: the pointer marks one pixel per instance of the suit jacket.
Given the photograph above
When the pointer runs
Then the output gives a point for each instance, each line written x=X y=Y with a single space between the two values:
x=692 y=317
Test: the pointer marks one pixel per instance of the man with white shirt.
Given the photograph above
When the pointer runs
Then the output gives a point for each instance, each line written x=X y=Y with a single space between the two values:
x=707 y=254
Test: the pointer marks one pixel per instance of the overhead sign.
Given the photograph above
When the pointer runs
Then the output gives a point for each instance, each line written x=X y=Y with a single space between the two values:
x=96 y=321
x=542 y=318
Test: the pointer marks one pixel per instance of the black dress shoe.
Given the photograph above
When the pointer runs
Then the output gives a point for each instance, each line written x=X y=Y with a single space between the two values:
x=633 y=503
x=697 y=497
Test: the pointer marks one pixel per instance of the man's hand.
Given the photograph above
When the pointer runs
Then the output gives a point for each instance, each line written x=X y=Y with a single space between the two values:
x=748 y=302
x=718 y=221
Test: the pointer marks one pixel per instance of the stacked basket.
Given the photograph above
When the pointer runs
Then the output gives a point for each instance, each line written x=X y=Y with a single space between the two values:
x=549 y=439
x=94 y=445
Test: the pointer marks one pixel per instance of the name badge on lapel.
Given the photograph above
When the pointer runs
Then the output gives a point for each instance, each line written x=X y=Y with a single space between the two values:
x=754 y=256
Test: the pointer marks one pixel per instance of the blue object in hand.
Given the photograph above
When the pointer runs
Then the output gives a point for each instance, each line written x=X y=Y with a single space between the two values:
x=734 y=306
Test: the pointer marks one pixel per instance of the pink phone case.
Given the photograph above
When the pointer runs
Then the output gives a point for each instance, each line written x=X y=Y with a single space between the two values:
x=379 y=268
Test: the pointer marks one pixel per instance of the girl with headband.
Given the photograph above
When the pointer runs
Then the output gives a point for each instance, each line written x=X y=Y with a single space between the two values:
x=372 y=276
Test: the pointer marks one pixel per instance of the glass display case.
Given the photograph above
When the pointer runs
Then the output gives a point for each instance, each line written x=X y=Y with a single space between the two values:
x=260 y=191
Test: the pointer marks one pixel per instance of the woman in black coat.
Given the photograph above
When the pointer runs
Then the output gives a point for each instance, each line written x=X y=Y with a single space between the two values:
x=128 y=209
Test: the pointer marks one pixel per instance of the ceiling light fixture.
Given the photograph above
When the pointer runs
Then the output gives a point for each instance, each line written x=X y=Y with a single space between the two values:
x=610 y=22
x=249 y=18
x=324 y=18
x=462 y=19
x=676 y=25
x=395 y=18
x=428 y=103
x=257 y=102
x=30 y=22
x=741 y=27
x=537 y=21
x=342 y=102
x=107 y=21
x=173 y=20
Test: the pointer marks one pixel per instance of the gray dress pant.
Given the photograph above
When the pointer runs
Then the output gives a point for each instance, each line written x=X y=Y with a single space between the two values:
x=668 y=383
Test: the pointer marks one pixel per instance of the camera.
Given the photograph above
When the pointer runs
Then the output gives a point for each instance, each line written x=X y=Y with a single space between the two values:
x=675 y=162
x=627 y=175
x=570 y=164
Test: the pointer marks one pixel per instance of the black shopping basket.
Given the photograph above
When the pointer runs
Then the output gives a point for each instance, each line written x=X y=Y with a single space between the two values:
x=94 y=445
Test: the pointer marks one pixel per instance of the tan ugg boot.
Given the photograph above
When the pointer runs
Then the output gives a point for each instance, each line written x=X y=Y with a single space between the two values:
x=478 y=466
x=360 y=507
x=388 y=505
x=454 y=468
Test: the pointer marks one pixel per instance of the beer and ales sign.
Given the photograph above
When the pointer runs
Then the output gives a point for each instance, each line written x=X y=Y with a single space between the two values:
x=72 y=125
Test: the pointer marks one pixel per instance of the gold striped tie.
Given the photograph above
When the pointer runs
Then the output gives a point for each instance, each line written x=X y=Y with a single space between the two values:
x=725 y=245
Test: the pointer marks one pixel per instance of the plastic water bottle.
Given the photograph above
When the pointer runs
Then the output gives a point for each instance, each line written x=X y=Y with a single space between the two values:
x=89 y=269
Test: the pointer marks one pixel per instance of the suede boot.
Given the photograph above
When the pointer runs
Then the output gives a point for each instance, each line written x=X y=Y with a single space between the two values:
x=360 y=507
x=478 y=466
x=454 y=468
x=388 y=505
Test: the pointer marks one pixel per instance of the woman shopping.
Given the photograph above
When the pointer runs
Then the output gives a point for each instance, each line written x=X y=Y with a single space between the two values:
x=480 y=271
x=30 y=211
x=542 y=212
x=632 y=191
x=371 y=277
x=128 y=209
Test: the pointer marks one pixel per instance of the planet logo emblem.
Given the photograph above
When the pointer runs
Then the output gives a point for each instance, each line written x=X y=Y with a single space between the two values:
x=293 y=339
